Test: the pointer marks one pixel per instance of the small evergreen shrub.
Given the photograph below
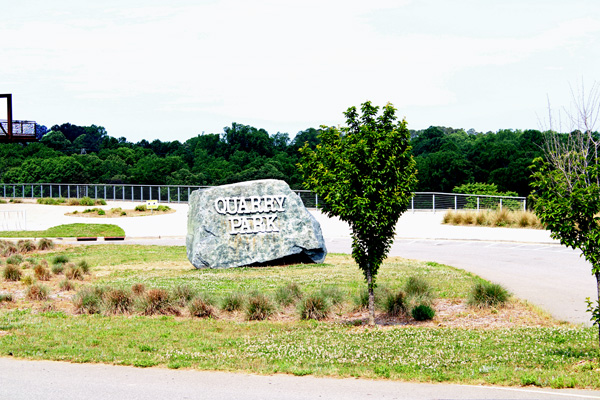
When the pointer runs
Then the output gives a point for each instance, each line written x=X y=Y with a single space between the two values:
x=485 y=294
x=45 y=244
x=315 y=306
x=395 y=303
x=423 y=312
x=288 y=294
x=11 y=272
x=201 y=307
x=233 y=301
x=41 y=273
x=117 y=301
x=37 y=292
x=259 y=307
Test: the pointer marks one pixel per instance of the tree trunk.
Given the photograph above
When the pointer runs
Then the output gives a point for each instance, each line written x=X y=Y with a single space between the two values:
x=371 y=297
x=598 y=304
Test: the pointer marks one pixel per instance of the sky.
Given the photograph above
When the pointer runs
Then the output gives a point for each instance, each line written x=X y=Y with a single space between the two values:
x=149 y=69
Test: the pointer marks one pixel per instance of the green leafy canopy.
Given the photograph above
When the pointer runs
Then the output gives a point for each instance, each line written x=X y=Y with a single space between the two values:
x=365 y=174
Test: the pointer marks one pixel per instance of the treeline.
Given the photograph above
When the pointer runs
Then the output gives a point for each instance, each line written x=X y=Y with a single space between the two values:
x=445 y=157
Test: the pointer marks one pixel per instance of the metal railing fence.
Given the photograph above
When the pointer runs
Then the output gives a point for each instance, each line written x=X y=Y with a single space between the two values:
x=421 y=201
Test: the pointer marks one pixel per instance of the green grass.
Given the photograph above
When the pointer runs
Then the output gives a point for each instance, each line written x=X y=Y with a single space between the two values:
x=562 y=356
x=69 y=230
x=555 y=357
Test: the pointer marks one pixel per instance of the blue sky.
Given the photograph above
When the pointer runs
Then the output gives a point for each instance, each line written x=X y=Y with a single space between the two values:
x=154 y=70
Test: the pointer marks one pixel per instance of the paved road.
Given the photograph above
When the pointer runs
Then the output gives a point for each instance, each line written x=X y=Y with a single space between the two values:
x=46 y=380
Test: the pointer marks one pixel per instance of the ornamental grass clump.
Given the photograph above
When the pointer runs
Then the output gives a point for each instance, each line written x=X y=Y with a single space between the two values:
x=334 y=295
x=85 y=267
x=7 y=249
x=58 y=269
x=234 y=301
x=156 y=301
x=117 y=301
x=73 y=271
x=66 y=285
x=183 y=294
x=201 y=307
x=88 y=300
x=15 y=259
x=26 y=246
x=37 y=291
x=60 y=259
x=138 y=289
x=395 y=303
x=486 y=294
x=11 y=272
x=6 y=297
x=45 y=244
x=41 y=273
x=288 y=294
x=315 y=306
x=27 y=280
x=259 y=307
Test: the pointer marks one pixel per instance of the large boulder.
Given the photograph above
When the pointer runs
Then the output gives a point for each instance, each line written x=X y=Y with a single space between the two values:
x=251 y=223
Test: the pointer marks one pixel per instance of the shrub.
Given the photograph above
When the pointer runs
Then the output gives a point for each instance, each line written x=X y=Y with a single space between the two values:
x=45 y=244
x=88 y=300
x=485 y=294
x=11 y=272
x=501 y=218
x=37 y=292
x=26 y=264
x=6 y=297
x=201 y=307
x=138 y=289
x=100 y=202
x=394 y=303
x=123 y=213
x=60 y=259
x=163 y=208
x=27 y=280
x=16 y=201
x=86 y=201
x=423 y=312
x=117 y=301
x=26 y=246
x=182 y=294
x=51 y=201
x=156 y=301
x=66 y=285
x=288 y=294
x=233 y=301
x=259 y=307
x=42 y=273
x=73 y=202
x=15 y=259
x=140 y=207
x=101 y=212
x=316 y=306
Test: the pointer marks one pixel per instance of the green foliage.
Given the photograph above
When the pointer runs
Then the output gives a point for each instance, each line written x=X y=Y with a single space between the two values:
x=15 y=259
x=485 y=294
x=288 y=294
x=88 y=300
x=314 y=306
x=51 y=201
x=183 y=294
x=140 y=207
x=60 y=259
x=233 y=301
x=423 y=312
x=259 y=307
x=86 y=201
x=70 y=230
x=395 y=303
x=364 y=174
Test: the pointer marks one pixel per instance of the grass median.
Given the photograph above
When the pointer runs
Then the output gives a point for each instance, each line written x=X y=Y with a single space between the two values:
x=69 y=230
x=511 y=345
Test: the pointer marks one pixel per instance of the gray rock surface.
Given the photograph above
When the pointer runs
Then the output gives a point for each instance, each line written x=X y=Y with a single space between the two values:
x=251 y=223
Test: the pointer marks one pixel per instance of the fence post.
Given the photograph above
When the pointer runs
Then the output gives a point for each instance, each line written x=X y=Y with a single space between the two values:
x=477 y=203
x=412 y=203
x=500 y=204
x=455 y=202
x=434 y=203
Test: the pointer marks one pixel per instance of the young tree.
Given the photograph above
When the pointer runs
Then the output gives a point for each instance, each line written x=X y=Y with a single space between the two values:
x=365 y=174
x=567 y=184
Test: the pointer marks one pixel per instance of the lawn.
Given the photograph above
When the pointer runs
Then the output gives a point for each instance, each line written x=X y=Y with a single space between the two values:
x=68 y=230
x=511 y=345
